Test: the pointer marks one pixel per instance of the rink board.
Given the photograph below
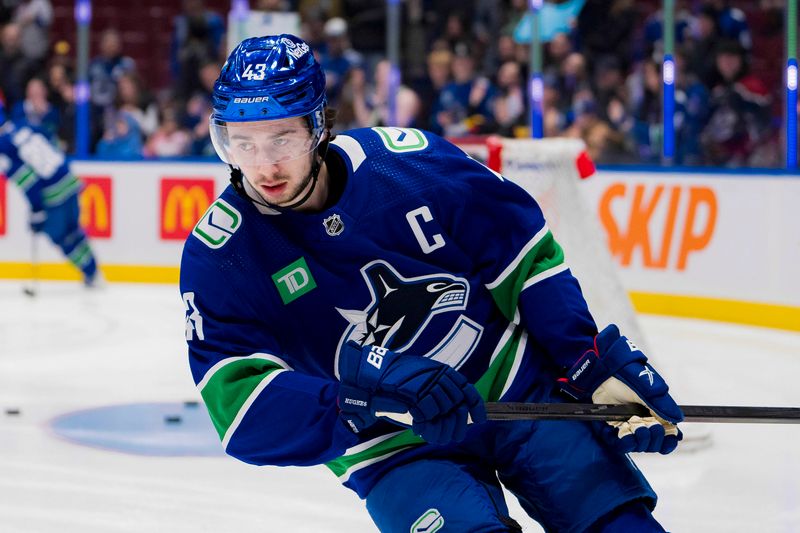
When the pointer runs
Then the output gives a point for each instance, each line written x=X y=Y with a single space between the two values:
x=723 y=246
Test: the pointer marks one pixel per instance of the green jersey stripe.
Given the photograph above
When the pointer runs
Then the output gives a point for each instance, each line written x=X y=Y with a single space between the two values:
x=517 y=260
x=213 y=370
x=25 y=178
x=80 y=255
x=344 y=466
x=541 y=276
x=545 y=255
x=231 y=386
x=503 y=368
x=60 y=191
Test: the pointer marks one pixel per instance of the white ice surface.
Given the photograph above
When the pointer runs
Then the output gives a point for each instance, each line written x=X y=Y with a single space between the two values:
x=68 y=349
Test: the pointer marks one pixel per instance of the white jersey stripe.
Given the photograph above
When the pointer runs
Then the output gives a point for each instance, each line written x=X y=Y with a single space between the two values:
x=520 y=256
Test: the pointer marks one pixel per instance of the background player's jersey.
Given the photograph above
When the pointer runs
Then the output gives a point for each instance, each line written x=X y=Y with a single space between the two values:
x=41 y=171
x=427 y=252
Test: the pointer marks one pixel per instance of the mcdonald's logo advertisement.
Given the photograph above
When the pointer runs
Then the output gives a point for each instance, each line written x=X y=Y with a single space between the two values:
x=96 y=201
x=3 y=209
x=183 y=202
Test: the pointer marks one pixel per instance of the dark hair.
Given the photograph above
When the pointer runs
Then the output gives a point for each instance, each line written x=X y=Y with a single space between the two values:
x=330 y=118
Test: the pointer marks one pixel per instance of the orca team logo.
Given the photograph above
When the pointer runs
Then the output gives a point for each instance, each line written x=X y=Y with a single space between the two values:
x=401 y=309
x=333 y=225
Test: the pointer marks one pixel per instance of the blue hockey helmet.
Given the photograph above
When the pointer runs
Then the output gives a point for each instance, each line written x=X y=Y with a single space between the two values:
x=275 y=79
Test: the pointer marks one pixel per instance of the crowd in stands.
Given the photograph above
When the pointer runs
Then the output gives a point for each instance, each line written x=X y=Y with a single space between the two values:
x=464 y=70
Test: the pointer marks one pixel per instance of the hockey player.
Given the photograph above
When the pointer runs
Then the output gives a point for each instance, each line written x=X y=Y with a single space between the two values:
x=28 y=159
x=353 y=301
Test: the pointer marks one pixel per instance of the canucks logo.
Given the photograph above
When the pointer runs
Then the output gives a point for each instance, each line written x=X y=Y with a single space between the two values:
x=401 y=308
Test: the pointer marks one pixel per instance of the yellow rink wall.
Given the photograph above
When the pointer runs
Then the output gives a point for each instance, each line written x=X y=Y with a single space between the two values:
x=718 y=246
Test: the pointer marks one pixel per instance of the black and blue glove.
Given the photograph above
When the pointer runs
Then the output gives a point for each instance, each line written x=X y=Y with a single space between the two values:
x=616 y=371
x=37 y=221
x=432 y=398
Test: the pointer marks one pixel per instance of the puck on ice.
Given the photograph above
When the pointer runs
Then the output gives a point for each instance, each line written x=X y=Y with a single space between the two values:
x=190 y=403
x=12 y=411
x=173 y=419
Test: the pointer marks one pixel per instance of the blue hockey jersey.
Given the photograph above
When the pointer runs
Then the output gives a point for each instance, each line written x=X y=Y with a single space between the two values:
x=427 y=252
x=42 y=172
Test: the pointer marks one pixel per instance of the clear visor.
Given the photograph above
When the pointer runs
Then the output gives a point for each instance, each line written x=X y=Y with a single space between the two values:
x=267 y=141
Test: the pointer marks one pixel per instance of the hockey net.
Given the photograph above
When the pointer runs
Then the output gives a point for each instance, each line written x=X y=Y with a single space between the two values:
x=551 y=171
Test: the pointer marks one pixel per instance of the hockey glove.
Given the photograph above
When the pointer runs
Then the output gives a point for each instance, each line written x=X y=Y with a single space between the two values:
x=38 y=218
x=375 y=380
x=616 y=371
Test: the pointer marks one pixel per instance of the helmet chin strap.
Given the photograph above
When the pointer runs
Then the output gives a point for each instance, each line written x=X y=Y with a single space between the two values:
x=237 y=180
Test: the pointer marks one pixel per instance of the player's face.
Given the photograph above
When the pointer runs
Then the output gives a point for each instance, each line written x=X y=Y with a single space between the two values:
x=275 y=157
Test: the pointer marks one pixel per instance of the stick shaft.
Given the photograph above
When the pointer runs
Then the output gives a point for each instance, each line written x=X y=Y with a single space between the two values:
x=612 y=412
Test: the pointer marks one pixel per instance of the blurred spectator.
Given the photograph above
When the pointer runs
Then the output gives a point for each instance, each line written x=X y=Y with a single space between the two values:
x=695 y=97
x=700 y=48
x=486 y=25
x=646 y=129
x=607 y=30
x=555 y=17
x=608 y=81
x=429 y=86
x=506 y=49
x=371 y=103
x=198 y=109
x=570 y=80
x=59 y=82
x=733 y=23
x=312 y=31
x=15 y=67
x=34 y=18
x=739 y=110
x=509 y=105
x=339 y=58
x=415 y=45
x=137 y=103
x=464 y=105
x=556 y=51
x=367 y=22
x=170 y=139
x=36 y=109
x=121 y=137
x=554 y=116
x=107 y=68
x=209 y=73
x=604 y=145
x=455 y=32
x=196 y=39
x=517 y=10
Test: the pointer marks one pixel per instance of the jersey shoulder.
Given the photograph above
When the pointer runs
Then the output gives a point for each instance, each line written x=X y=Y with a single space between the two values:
x=217 y=233
x=410 y=158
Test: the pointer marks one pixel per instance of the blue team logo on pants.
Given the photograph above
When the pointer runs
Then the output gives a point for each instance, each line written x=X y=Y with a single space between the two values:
x=401 y=308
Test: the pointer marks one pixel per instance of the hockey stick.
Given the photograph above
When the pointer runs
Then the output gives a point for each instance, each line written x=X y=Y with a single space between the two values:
x=615 y=412
x=34 y=287
x=619 y=412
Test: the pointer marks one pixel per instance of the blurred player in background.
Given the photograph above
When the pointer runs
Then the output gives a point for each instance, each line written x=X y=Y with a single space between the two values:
x=353 y=301
x=28 y=159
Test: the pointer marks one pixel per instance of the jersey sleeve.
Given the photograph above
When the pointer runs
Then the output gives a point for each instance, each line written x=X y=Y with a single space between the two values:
x=502 y=228
x=264 y=411
x=37 y=167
